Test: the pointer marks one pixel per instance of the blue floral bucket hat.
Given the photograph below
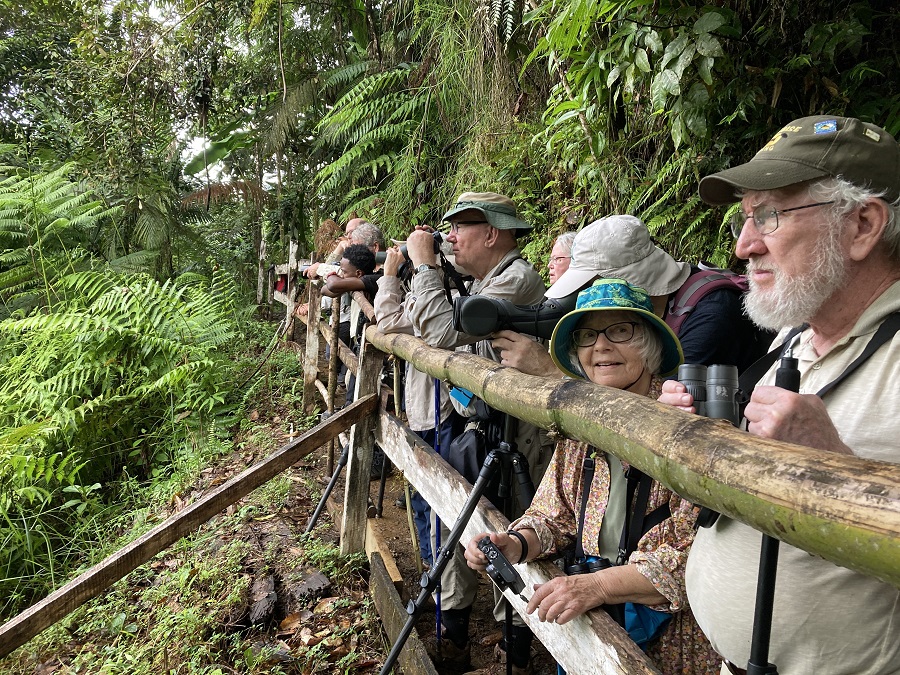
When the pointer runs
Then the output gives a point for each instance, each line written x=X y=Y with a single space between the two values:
x=613 y=295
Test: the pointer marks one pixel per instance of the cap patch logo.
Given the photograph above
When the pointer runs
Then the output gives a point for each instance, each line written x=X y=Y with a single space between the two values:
x=874 y=135
x=771 y=144
x=826 y=127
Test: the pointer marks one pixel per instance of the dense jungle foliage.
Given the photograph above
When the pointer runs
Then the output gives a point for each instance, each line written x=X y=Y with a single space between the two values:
x=128 y=249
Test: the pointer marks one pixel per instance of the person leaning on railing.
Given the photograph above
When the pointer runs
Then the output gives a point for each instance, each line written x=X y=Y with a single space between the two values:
x=613 y=339
x=819 y=223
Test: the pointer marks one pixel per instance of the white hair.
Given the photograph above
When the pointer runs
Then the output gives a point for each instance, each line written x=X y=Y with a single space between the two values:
x=566 y=239
x=847 y=197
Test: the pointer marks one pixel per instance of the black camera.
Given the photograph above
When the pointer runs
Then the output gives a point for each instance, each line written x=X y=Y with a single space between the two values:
x=715 y=390
x=381 y=256
x=499 y=568
x=483 y=315
x=586 y=565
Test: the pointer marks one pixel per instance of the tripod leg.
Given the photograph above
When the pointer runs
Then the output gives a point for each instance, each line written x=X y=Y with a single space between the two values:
x=762 y=617
x=523 y=478
x=381 y=483
x=431 y=580
x=342 y=462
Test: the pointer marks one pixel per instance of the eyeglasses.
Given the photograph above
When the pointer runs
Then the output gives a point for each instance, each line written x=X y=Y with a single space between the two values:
x=557 y=259
x=455 y=225
x=617 y=332
x=765 y=218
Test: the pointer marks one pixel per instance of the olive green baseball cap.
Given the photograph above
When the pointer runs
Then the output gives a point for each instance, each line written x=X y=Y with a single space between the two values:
x=814 y=147
x=499 y=210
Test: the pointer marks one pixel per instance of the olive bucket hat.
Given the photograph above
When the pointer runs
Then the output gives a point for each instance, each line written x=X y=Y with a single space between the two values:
x=613 y=295
x=499 y=210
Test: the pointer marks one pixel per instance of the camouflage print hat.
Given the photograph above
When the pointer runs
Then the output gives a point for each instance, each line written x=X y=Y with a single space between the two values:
x=814 y=147
x=499 y=210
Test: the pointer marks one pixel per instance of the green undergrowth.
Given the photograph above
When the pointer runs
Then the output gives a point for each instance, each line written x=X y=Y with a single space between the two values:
x=186 y=610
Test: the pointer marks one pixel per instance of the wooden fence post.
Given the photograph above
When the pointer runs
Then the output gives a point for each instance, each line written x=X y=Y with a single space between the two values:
x=333 y=363
x=311 y=362
x=362 y=444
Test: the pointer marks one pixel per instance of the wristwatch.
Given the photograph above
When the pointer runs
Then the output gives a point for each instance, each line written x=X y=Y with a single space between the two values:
x=424 y=266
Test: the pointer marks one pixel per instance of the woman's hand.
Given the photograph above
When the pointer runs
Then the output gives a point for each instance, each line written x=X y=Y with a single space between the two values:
x=392 y=261
x=675 y=394
x=523 y=353
x=509 y=547
x=565 y=598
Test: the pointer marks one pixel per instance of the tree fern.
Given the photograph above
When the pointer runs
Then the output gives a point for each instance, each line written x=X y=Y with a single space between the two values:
x=109 y=370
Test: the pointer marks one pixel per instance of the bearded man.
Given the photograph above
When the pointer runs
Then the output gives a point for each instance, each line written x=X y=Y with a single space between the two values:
x=819 y=224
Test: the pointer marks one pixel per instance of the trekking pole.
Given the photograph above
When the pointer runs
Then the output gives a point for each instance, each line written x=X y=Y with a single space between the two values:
x=787 y=377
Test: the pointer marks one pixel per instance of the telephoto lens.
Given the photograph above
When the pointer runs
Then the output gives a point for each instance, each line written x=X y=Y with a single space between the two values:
x=721 y=393
x=693 y=377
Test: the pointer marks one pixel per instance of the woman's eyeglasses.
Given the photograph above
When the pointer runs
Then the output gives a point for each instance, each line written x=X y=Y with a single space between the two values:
x=617 y=332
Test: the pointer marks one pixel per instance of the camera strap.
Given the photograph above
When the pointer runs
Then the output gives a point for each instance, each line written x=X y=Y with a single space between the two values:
x=637 y=521
x=587 y=477
x=748 y=380
x=640 y=521
x=451 y=273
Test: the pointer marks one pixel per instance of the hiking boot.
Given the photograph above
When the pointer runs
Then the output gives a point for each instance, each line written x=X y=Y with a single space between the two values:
x=451 y=654
x=515 y=670
x=500 y=652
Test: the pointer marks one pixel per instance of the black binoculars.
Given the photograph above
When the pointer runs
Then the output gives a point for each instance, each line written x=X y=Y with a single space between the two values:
x=715 y=390
x=381 y=256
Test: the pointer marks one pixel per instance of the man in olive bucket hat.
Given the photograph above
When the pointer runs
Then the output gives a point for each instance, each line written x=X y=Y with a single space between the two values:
x=818 y=220
x=483 y=227
x=714 y=329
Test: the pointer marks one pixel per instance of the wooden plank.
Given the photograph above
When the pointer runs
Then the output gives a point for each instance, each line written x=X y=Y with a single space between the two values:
x=375 y=544
x=18 y=630
x=323 y=392
x=595 y=633
x=362 y=443
x=840 y=507
x=413 y=658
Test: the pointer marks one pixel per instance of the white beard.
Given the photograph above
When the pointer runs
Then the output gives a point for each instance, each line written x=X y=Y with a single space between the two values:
x=792 y=301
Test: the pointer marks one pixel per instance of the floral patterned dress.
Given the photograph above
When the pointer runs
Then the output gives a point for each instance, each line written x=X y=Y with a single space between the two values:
x=661 y=553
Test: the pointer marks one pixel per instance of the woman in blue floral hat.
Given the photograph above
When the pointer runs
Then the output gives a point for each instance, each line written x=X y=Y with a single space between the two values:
x=632 y=565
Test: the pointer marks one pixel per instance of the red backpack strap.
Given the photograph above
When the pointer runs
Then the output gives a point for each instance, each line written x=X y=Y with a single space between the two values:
x=698 y=285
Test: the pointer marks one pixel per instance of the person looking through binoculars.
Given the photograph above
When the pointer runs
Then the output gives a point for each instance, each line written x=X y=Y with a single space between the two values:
x=591 y=501
x=483 y=227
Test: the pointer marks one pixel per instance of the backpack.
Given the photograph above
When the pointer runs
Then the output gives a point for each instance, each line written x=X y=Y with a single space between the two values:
x=700 y=284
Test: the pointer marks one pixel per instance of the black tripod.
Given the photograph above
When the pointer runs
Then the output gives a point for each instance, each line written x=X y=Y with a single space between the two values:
x=502 y=457
x=342 y=462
